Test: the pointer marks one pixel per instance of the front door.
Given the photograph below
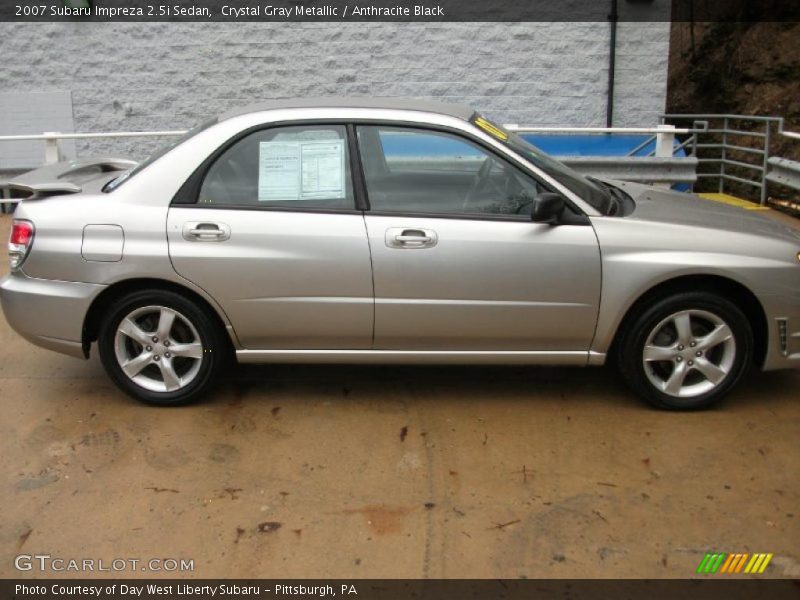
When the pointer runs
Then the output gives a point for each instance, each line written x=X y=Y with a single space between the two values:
x=457 y=263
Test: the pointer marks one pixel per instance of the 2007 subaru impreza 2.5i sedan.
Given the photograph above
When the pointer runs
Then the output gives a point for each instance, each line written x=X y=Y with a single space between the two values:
x=389 y=231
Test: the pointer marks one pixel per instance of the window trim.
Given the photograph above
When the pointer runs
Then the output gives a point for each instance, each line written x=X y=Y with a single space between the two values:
x=357 y=169
x=577 y=216
x=188 y=194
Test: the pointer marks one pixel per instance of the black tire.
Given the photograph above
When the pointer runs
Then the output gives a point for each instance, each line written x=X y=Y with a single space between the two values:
x=631 y=347
x=206 y=327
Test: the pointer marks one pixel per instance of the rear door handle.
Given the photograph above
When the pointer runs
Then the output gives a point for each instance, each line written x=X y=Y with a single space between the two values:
x=204 y=231
x=410 y=238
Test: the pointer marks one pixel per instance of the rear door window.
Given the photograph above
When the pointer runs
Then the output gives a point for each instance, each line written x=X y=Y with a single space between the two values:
x=299 y=167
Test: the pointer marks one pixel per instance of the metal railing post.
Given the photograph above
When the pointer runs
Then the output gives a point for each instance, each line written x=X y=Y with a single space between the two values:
x=697 y=125
x=765 y=163
x=52 y=149
x=665 y=145
x=723 y=155
x=665 y=141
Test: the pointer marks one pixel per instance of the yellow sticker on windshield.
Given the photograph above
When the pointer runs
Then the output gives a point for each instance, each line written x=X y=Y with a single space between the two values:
x=491 y=129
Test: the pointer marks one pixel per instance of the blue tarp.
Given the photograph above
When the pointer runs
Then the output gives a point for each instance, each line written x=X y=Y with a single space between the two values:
x=609 y=144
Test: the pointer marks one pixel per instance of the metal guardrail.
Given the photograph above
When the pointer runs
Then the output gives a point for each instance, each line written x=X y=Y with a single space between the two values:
x=730 y=129
x=640 y=169
x=784 y=172
x=660 y=166
x=735 y=151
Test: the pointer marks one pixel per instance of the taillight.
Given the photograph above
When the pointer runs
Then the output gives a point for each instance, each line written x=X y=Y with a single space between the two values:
x=20 y=242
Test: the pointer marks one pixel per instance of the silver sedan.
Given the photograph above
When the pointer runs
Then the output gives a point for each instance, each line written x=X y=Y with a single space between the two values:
x=390 y=231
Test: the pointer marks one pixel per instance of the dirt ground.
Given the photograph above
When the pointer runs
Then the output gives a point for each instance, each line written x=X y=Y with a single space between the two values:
x=393 y=472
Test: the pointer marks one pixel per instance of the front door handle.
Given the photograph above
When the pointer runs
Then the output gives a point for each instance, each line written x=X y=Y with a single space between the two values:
x=410 y=238
x=204 y=231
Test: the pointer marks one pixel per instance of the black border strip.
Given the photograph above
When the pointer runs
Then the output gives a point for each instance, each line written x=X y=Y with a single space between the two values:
x=707 y=588
x=399 y=11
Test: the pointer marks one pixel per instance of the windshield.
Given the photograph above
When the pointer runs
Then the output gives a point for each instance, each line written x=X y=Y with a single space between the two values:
x=126 y=175
x=589 y=190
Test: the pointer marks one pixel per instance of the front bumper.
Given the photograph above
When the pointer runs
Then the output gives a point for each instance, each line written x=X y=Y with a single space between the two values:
x=783 y=338
x=48 y=313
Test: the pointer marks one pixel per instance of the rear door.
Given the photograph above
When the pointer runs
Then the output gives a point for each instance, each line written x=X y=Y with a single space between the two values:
x=274 y=236
x=458 y=264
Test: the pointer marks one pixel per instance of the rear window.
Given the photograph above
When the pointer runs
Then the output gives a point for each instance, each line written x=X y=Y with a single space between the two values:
x=125 y=176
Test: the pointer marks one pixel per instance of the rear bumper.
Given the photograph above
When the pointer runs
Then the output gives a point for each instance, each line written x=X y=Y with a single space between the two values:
x=48 y=313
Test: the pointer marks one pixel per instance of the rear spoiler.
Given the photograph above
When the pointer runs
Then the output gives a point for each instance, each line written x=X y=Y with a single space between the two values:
x=65 y=177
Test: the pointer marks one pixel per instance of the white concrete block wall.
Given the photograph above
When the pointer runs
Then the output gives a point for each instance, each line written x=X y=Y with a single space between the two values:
x=640 y=92
x=146 y=76
x=32 y=113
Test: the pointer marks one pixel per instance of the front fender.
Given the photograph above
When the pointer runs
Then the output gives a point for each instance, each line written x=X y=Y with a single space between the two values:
x=638 y=256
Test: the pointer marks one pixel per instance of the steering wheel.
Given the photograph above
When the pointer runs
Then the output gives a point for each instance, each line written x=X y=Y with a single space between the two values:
x=479 y=184
x=482 y=182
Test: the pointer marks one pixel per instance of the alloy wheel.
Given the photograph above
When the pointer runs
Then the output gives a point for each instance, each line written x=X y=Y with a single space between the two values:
x=689 y=353
x=158 y=348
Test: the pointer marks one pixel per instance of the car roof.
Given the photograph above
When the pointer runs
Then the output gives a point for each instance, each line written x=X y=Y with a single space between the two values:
x=460 y=111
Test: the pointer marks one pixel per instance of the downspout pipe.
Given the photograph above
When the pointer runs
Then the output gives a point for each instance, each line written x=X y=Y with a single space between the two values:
x=612 y=59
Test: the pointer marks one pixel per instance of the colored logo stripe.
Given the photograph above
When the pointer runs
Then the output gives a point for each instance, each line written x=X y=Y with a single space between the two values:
x=719 y=562
x=736 y=563
x=727 y=564
x=758 y=563
x=710 y=563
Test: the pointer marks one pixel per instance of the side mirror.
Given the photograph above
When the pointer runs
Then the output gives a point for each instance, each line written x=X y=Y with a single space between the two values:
x=547 y=208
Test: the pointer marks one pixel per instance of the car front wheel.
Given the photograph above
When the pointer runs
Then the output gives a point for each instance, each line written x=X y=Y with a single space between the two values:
x=159 y=347
x=687 y=351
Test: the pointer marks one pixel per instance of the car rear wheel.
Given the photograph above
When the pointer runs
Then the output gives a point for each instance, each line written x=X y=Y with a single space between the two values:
x=686 y=351
x=160 y=348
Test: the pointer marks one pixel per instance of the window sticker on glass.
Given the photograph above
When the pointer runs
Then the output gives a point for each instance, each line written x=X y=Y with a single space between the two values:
x=300 y=170
x=278 y=171
x=323 y=169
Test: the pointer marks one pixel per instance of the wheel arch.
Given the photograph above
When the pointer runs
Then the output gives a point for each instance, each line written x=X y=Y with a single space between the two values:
x=94 y=315
x=729 y=289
